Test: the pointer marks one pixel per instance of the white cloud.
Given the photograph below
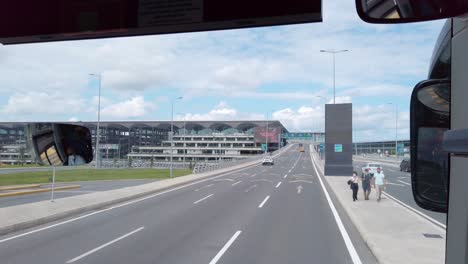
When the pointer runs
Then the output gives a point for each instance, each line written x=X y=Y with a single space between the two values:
x=222 y=111
x=45 y=105
x=132 y=108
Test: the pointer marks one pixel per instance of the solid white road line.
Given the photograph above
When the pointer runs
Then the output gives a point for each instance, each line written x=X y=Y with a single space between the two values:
x=206 y=186
x=234 y=184
x=409 y=184
x=104 y=245
x=430 y=219
x=349 y=244
x=231 y=180
x=225 y=248
x=278 y=185
x=397 y=184
x=264 y=201
x=206 y=197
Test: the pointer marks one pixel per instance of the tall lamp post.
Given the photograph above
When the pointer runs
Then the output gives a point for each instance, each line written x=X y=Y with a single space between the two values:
x=396 y=129
x=333 y=52
x=183 y=137
x=172 y=133
x=98 y=119
x=266 y=135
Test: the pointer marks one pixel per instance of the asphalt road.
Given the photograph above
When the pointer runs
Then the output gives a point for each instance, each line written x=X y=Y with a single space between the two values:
x=86 y=187
x=275 y=214
x=399 y=186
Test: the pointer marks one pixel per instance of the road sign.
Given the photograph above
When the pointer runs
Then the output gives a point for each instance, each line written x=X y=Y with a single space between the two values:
x=263 y=147
x=338 y=147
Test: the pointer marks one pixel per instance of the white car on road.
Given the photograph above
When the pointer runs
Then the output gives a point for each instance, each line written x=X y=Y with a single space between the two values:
x=372 y=167
x=267 y=161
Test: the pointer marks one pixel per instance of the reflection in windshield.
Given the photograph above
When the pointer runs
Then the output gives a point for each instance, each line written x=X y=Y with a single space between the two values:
x=432 y=164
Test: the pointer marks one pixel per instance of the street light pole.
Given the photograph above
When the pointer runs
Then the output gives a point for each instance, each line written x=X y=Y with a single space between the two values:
x=266 y=135
x=98 y=120
x=184 y=144
x=333 y=52
x=172 y=134
x=396 y=129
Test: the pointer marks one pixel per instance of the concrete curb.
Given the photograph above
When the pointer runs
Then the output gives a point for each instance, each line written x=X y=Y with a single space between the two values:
x=18 y=187
x=38 y=191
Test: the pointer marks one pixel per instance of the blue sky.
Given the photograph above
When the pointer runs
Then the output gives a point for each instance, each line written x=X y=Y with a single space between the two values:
x=227 y=75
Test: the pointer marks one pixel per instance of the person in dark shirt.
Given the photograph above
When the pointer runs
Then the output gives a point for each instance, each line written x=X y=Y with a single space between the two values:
x=366 y=183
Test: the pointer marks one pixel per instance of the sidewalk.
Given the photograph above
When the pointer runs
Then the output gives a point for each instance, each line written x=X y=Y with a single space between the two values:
x=24 y=216
x=392 y=232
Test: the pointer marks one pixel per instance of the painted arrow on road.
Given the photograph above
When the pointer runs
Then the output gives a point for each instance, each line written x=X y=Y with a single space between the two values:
x=299 y=189
x=251 y=187
x=302 y=181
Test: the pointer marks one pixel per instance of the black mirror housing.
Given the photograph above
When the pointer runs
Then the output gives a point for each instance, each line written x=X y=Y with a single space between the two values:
x=59 y=144
x=406 y=11
x=429 y=120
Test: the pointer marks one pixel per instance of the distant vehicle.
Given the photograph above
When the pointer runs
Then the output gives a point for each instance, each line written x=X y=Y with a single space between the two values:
x=405 y=165
x=372 y=167
x=267 y=161
x=301 y=147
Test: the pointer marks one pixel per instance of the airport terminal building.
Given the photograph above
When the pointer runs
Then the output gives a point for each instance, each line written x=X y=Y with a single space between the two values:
x=150 y=140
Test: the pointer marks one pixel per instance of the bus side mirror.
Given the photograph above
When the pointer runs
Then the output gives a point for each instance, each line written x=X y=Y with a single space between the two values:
x=429 y=120
x=403 y=11
x=59 y=144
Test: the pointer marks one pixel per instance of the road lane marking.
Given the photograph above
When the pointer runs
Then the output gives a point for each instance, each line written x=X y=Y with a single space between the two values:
x=131 y=202
x=278 y=185
x=430 y=219
x=234 y=184
x=206 y=186
x=264 y=180
x=225 y=247
x=397 y=184
x=302 y=181
x=349 y=244
x=285 y=176
x=204 y=198
x=403 y=177
x=231 y=180
x=253 y=175
x=104 y=245
x=264 y=201
x=409 y=184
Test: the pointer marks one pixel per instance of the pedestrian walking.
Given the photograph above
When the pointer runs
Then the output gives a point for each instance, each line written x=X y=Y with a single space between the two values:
x=353 y=182
x=379 y=183
x=366 y=183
